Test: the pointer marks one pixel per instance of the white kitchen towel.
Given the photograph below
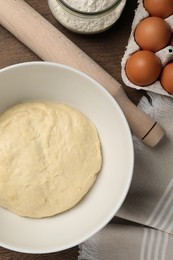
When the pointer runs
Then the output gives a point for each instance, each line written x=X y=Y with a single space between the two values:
x=150 y=198
x=127 y=242
x=149 y=201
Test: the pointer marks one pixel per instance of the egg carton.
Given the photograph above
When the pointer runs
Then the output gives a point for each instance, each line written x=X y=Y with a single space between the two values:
x=165 y=55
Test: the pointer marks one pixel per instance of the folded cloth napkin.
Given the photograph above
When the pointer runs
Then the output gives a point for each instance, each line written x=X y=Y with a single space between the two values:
x=149 y=202
x=128 y=242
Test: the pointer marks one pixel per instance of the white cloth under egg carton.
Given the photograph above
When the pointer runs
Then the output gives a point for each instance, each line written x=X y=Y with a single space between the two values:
x=165 y=54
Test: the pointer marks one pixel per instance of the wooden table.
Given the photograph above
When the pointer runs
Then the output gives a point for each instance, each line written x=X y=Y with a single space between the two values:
x=106 y=49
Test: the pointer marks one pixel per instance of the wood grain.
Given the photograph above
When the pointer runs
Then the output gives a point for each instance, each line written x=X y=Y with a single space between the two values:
x=106 y=49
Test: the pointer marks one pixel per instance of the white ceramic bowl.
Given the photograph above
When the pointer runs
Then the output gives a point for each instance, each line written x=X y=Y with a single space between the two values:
x=54 y=82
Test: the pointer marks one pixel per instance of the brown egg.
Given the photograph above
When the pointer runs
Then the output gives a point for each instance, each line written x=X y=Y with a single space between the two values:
x=153 y=33
x=143 y=68
x=160 y=8
x=166 y=78
x=172 y=41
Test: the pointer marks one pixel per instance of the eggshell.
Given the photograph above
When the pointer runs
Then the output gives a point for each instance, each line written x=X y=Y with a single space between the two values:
x=172 y=41
x=160 y=8
x=166 y=78
x=165 y=54
x=143 y=68
x=153 y=34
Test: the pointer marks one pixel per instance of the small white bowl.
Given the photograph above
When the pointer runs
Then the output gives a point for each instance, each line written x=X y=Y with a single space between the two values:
x=54 y=82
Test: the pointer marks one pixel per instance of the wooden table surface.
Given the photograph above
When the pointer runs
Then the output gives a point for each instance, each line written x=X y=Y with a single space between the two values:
x=106 y=49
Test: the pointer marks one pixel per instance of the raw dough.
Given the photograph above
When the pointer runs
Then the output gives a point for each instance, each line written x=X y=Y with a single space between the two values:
x=50 y=156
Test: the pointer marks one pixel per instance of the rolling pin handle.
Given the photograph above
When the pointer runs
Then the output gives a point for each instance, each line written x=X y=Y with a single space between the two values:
x=142 y=125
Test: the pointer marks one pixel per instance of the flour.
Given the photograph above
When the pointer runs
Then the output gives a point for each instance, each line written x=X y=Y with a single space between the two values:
x=87 y=24
x=90 y=6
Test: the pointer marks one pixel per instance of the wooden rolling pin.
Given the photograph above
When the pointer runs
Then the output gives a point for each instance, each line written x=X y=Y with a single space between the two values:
x=51 y=45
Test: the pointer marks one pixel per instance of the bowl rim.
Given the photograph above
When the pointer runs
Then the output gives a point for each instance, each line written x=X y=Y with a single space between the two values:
x=131 y=147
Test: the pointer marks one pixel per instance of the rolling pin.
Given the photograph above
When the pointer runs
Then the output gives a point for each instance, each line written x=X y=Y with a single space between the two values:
x=50 y=44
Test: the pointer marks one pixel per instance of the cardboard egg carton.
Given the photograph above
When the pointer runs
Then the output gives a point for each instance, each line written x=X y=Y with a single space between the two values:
x=165 y=54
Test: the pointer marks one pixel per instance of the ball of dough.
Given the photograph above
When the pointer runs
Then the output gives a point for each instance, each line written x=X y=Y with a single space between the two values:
x=50 y=156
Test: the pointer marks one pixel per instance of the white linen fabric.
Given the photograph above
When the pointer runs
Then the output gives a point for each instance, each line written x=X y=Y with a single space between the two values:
x=147 y=212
